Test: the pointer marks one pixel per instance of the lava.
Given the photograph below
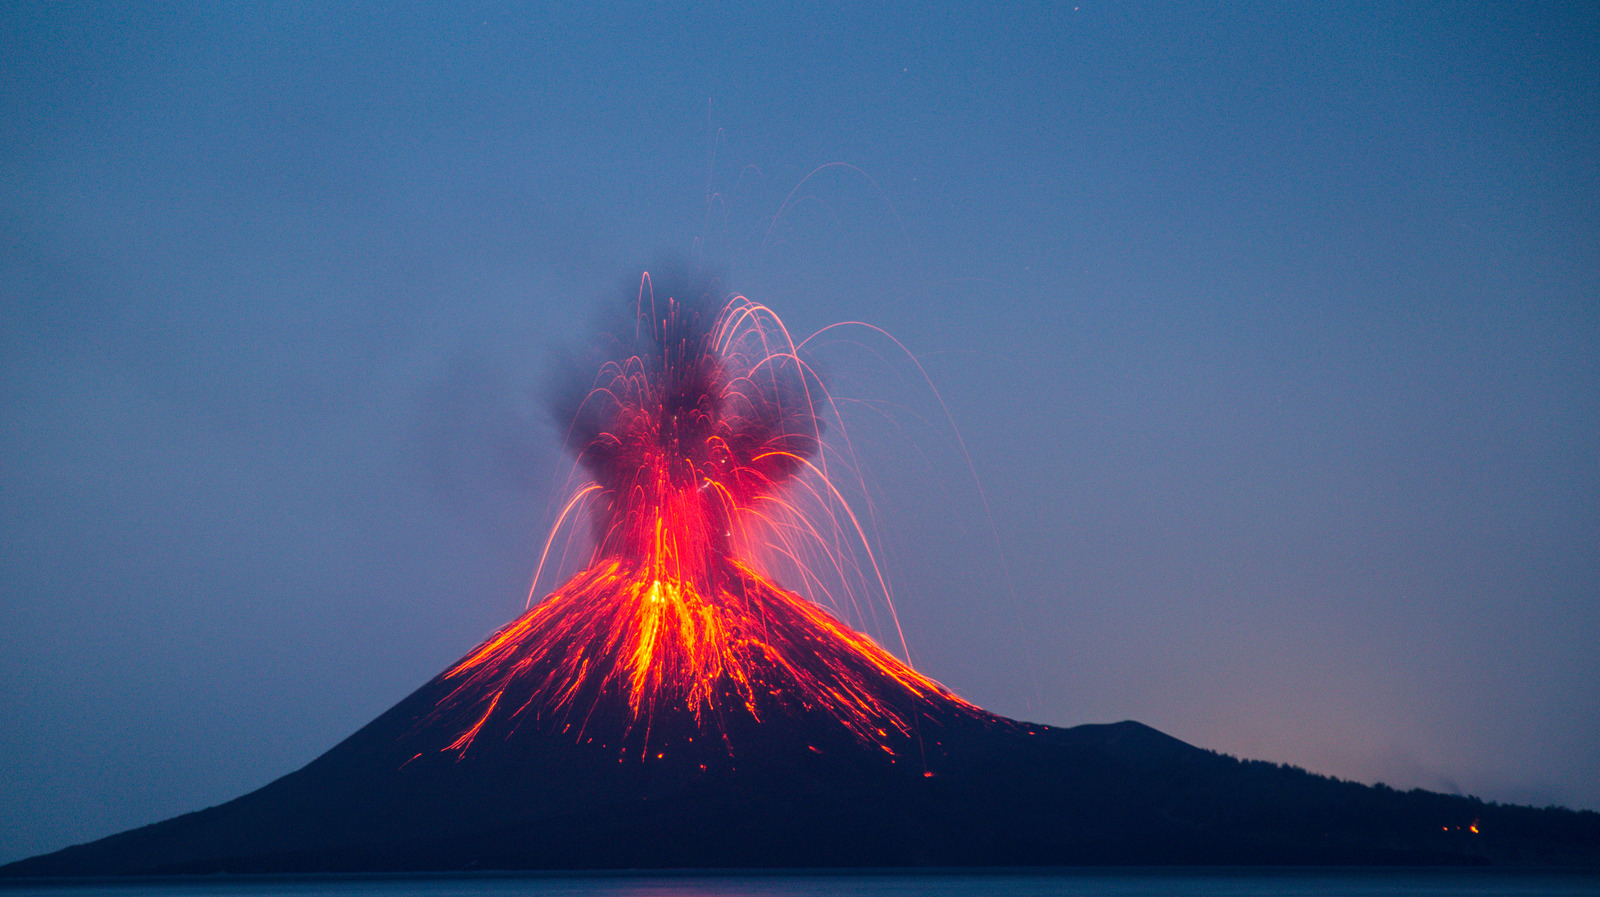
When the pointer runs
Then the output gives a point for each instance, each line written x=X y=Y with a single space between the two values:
x=698 y=457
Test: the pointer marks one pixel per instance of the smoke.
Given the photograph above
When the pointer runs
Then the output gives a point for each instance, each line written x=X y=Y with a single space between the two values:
x=687 y=393
x=654 y=340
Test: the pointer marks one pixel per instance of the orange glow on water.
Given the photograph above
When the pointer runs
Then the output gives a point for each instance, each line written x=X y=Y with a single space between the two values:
x=700 y=457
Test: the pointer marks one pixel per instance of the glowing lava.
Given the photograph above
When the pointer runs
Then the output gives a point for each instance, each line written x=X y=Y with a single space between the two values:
x=698 y=451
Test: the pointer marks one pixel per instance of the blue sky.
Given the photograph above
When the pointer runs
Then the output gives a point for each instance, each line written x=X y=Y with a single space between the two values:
x=1273 y=335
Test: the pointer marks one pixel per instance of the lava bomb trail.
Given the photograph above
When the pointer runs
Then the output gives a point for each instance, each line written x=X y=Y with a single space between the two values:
x=698 y=457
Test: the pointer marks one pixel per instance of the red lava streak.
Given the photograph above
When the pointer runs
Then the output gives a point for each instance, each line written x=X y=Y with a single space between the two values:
x=699 y=453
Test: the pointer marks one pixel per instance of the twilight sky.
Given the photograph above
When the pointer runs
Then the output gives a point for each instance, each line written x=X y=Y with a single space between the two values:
x=1273 y=336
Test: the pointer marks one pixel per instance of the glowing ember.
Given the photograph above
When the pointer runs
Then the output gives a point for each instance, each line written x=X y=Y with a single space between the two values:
x=688 y=443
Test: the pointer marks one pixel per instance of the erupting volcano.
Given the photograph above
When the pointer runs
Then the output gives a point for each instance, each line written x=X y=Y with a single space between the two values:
x=689 y=443
x=671 y=705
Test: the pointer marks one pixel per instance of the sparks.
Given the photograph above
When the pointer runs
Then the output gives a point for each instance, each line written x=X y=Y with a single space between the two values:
x=699 y=462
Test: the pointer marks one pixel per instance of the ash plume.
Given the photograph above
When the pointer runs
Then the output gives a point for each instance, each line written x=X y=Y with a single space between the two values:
x=680 y=391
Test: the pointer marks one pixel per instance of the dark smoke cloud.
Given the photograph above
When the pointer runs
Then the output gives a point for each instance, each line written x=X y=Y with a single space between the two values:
x=735 y=416
x=627 y=325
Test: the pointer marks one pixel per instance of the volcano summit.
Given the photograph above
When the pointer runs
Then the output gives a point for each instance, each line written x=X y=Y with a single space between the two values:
x=701 y=445
x=670 y=705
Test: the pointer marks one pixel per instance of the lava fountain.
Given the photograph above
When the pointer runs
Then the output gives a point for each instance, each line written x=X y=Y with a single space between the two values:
x=699 y=461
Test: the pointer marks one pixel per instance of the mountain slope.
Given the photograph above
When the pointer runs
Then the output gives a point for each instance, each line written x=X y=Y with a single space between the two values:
x=999 y=794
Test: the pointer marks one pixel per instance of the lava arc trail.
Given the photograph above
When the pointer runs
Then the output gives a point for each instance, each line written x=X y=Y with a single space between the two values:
x=698 y=457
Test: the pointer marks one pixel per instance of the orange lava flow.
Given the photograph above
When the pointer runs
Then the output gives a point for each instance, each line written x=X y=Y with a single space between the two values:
x=748 y=646
x=703 y=453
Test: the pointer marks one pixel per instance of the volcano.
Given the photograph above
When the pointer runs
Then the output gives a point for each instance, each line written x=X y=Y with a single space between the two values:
x=781 y=784
x=671 y=706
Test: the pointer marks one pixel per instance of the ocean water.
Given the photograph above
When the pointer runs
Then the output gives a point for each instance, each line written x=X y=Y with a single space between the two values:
x=1097 y=883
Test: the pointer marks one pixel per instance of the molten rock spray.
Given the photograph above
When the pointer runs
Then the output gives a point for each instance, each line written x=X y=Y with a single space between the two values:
x=698 y=453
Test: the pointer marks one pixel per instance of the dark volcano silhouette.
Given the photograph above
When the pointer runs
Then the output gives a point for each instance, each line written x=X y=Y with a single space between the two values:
x=772 y=779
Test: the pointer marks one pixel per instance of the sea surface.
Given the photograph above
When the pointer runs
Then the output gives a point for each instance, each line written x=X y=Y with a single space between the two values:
x=1097 y=883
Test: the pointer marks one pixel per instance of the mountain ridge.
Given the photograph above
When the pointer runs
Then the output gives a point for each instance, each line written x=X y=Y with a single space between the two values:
x=1100 y=794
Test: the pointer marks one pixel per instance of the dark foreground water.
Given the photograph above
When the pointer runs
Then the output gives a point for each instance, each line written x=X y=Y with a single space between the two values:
x=1100 y=883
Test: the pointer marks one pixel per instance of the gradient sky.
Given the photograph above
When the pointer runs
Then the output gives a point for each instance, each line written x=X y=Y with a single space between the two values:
x=1273 y=335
